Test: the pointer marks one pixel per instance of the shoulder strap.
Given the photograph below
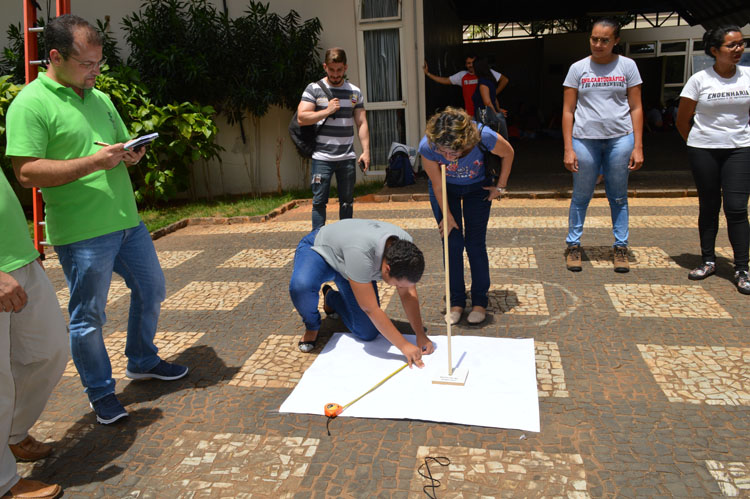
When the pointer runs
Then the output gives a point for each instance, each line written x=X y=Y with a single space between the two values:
x=325 y=89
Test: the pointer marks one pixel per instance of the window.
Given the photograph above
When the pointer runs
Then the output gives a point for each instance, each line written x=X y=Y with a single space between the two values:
x=383 y=65
x=371 y=10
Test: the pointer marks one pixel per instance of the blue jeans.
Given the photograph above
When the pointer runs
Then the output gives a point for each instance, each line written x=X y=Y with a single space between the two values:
x=611 y=156
x=310 y=272
x=88 y=267
x=472 y=235
x=322 y=171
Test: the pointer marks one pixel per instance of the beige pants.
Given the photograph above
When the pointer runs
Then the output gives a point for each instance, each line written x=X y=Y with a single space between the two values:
x=33 y=354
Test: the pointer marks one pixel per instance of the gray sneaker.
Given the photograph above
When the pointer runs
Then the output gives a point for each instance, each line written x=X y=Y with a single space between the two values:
x=742 y=281
x=622 y=264
x=573 y=258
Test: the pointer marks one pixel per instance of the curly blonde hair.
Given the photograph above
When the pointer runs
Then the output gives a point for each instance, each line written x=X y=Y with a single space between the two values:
x=453 y=129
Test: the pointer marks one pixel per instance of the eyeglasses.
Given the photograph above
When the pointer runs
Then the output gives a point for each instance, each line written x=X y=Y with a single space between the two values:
x=89 y=65
x=604 y=41
x=736 y=45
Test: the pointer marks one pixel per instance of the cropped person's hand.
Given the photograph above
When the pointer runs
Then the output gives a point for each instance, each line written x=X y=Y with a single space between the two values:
x=425 y=68
x=413 y=355
x=12 y=296
x=333 y=106
x=570 y=160
x=451 y=225
x=636 y=159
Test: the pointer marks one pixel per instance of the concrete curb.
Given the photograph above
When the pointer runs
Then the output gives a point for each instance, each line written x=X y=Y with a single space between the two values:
x=404 y=198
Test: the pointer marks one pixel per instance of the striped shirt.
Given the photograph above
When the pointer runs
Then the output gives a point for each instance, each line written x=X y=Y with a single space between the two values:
x=335 y=142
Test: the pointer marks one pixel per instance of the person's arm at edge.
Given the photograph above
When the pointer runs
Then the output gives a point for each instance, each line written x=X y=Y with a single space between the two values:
x=684 y=115
x=363 y=131
x=410 y=302
x=570 y=99
x=368 y=302
x=40 y=172
x=636 y=115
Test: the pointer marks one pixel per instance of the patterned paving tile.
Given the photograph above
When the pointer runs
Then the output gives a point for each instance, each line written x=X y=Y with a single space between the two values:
x=229 y=465
x=209 y=295
x=726 y=252
x=499 y=222
x=167 y=259
x=733 y=478
x=170 y=345
x=518 y=299
x=63 y=436
x=639 y=257
x=661 y=300
x=117 y=289
x=171 y=259
x=261 y=258
x=550 y=376
x=508 y=258
x=713 y=375
x=496 y=473
x=277 y=363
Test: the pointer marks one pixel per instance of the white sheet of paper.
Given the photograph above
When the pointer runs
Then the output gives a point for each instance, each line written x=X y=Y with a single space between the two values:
x=500 y=391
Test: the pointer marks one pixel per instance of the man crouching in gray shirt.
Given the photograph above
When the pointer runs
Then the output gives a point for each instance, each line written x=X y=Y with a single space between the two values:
x=355 y=254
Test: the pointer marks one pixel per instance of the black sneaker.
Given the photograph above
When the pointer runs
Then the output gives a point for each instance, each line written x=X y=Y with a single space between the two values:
x=742 y=281
x=108 y=409
x=573 y=258
x=163 y=370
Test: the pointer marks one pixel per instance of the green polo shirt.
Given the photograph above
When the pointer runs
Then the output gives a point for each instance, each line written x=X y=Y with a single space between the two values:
x=48 y=120
x=16 y=248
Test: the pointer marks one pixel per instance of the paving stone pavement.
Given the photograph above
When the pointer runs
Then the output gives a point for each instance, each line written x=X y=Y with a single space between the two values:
x=643 y=378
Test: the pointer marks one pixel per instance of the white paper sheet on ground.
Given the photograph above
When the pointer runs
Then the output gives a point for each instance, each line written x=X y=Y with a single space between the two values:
x=500 y=391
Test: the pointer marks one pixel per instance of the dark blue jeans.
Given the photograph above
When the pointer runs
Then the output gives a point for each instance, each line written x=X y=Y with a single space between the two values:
x=346 y=176
x=472 y=235
x=310 y=272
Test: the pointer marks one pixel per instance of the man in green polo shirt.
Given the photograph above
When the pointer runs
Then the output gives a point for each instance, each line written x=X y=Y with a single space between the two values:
x=33 y=350
x=92 y=219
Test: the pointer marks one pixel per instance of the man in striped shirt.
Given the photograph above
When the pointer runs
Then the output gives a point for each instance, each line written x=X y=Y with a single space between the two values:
x=334 y=151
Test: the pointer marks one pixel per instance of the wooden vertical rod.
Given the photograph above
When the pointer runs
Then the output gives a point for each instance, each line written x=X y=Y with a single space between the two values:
x=447 y=267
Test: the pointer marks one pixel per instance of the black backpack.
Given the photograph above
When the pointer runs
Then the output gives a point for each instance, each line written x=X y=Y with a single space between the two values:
x=398 y=173
x=304 y=136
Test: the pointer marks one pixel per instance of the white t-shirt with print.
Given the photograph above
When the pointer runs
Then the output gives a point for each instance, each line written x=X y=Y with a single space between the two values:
x=722 y=112
x=602 y=110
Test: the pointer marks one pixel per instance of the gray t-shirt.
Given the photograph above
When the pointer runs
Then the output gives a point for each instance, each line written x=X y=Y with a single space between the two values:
x=602 y=110
x=354 y=247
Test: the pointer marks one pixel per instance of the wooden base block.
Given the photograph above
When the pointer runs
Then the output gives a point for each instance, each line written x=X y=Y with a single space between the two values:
x=458 y=378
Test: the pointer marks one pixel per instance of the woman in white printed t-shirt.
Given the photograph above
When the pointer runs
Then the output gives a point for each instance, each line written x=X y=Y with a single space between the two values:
x=719 y=148
x=602 y=124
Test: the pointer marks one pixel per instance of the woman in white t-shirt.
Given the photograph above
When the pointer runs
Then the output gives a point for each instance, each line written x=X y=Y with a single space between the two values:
x=718 y=142
x=602 y=124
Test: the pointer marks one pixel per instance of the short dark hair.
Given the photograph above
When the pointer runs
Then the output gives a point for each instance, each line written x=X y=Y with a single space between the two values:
x=405 y=260
x=608 y=21
x=335 y=54
x=60 y=32
x=714 y=38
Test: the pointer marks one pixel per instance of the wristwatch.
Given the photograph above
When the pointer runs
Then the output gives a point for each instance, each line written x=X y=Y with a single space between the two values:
x=501 y=190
